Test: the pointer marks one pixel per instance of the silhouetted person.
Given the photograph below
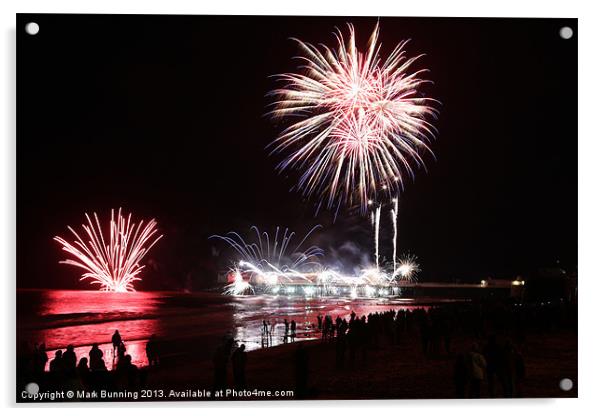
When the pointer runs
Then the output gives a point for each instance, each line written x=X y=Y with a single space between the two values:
x=82 y=366
x=344 y=326
x=286 y=326
x=301 y=371
x=325 y=329
x=492 y=354
x=121 y=351
x=477 y=365
x=319 y=322
x=152 y=353
x=83 y=372
x=56 y=364
x=41 y=358
x=239 y=364
x=293 y=329
x=69 y=360
x=127 y=371
x=96 y=361
x=265 y=328
x=116 y=340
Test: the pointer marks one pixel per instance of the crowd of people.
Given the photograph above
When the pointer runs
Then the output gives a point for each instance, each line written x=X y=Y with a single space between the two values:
x=91 y=371
x=494 y=358
x=481 y=343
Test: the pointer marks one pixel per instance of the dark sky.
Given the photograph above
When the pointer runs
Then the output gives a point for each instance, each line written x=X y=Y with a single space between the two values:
x=165 y=117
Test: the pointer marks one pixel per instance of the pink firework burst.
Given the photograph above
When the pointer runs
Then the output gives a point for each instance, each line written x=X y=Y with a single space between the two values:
x=112 y=263
x=357 y=123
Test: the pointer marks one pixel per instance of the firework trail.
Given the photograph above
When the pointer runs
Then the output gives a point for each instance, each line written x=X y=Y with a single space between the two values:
x=394 y=213
x=376 y=235
x=113 y=263
x=357 y=122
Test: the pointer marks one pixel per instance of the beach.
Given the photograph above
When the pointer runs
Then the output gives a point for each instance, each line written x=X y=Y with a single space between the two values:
x=190 y=327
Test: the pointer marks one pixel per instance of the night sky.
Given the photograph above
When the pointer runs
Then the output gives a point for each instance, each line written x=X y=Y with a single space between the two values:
x=165 y=117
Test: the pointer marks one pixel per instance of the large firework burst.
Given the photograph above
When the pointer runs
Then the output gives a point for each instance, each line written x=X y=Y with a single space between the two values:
x=358 y=124
x=113 y=263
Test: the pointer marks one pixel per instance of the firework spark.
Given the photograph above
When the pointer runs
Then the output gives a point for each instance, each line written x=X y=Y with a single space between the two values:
x=408 y=268
x=358 y=122
x=113 y=263
x=239 y=286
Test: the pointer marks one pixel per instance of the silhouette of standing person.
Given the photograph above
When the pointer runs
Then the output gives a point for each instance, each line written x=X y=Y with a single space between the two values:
x=56 y=364
x=265 y=328
x=293 y=330
x=152 y=354
x=127 y=371
x=42 y=358
x=116 y=340
x=239 y=363
x=121 y=351
x=83 y=371
x=69 y=360
x=96 y=361
x=477 y=364
x=285 y=330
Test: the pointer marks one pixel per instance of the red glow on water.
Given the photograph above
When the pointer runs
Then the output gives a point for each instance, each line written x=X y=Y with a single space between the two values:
x=81 y=318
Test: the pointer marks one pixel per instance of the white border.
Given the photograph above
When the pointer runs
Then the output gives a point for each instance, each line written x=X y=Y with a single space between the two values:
x=590 y=153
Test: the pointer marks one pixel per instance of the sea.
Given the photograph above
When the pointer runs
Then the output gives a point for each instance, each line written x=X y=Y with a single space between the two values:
x=59 y=318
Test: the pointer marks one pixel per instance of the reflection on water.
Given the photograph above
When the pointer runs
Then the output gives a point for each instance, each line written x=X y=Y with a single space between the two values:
x=59 y=318
x=250 y=311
